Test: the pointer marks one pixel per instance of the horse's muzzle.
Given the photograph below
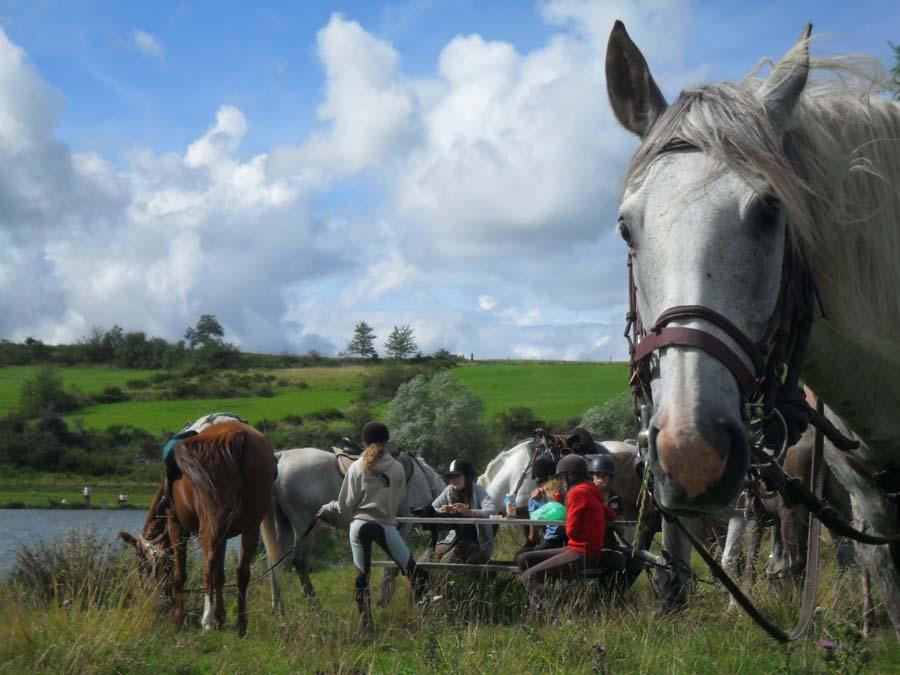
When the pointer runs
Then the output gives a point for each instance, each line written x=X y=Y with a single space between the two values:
x=698 y=468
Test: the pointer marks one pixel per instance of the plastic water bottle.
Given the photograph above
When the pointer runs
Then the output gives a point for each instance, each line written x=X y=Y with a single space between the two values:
x=509 y=504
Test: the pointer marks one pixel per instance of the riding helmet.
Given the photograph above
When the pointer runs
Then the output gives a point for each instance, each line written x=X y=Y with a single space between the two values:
x=572 y=464
x=375 y=432
x=461 y=466
x=543 y=467
x=601 y=464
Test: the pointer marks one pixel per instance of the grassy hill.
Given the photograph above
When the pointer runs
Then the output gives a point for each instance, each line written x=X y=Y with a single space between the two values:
x=555 y=391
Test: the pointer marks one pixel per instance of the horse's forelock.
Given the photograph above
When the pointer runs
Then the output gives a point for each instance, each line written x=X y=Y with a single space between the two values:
x=836 y=173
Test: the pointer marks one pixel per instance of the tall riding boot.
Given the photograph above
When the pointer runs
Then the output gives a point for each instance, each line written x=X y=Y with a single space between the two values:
x=364 y=604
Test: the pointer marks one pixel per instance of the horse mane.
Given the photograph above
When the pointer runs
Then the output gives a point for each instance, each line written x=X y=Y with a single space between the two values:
x=211 y=461
x=836 y=173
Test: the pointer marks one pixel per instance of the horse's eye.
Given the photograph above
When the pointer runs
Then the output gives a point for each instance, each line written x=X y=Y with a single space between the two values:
x=766 y=211
x=624 y=232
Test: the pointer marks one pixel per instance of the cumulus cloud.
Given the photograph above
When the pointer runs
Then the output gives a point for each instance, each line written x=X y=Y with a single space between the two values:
x=148 y=45
x=492 y=184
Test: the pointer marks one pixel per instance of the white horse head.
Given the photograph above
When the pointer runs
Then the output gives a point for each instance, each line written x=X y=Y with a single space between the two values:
x=724 y=179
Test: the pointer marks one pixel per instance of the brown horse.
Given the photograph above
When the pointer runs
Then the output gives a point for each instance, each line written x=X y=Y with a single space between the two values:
x=225 y=489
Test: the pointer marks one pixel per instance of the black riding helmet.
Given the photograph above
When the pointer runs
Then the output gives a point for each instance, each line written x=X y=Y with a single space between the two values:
x=603 y=464
x=573 y=465
x=462 y=467
x=543 y=468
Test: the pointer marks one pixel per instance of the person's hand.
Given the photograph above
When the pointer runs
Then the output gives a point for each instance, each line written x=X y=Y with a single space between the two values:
x=537 y=493
x=445 y=509
x=321 y=512
x=462 y=509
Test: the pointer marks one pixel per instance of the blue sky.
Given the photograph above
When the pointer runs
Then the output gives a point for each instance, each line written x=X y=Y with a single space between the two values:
x=296 y=167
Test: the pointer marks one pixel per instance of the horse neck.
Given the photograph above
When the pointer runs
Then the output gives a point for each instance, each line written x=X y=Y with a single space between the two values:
x=860 y=384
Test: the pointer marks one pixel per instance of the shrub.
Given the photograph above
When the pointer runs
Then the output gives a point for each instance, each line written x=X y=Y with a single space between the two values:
x=614 y=420
x=439 y=418
x=265 y=392
x=325 y=415
x=111 y=394
x=517 y=421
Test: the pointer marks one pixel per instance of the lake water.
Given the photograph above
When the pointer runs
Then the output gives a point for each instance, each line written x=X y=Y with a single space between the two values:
x=31 y=526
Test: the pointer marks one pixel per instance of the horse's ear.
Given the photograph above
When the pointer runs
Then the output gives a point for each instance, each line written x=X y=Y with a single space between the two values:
x=635 y=99
x=127 y=538
x=782 y=88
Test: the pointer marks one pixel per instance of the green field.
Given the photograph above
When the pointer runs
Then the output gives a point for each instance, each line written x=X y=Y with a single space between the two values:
x=157 y=416
x=90 y=379
x=554 y=391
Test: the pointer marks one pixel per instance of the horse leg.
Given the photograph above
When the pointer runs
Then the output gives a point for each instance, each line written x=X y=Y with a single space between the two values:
x=301 y=565
x=675 y=582
x=869 y=625
x=179 y=542
x=249 y=542
x=731 y=555
x=219 y=584
x=209 y=579
x=869 y=511
x=753 y=533
x=386 y=591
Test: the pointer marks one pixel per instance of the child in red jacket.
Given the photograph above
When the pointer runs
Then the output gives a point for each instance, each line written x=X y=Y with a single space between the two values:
x=586 y=518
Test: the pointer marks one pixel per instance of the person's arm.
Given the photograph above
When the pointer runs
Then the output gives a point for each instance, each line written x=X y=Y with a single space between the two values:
x=443 y=499
x=577 y=528
x=487 y=504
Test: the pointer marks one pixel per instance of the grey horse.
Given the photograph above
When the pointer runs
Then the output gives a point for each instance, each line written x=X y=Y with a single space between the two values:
x=309 y=478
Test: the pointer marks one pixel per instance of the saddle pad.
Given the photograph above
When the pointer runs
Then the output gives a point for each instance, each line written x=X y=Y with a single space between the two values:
x=344 y=460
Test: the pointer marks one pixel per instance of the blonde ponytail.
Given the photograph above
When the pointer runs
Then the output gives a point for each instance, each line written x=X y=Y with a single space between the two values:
x=370 y=455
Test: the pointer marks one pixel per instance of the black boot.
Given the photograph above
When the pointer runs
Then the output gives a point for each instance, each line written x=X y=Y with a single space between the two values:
x=364 y=605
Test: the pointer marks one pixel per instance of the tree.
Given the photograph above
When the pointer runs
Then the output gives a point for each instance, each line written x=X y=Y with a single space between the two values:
x=363 y=341
x=439 y=419
x=44 y=394
x=207 y=331
x=895 y=72
x=401 y=342
x=612 y=421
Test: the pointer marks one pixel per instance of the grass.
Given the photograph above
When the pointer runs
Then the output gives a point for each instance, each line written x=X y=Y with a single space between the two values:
x=554 y=391
x=59 y=617
x=41 y=491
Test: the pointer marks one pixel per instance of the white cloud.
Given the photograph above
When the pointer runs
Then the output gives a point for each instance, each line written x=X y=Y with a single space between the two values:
x=148 y=45
x=486 y=302
x=491 y=178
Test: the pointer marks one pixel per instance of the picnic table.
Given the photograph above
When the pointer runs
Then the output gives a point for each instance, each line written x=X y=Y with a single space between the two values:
x=490 y=567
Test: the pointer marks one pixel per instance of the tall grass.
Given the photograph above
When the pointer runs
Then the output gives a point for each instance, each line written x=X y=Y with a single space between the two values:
x=477 y=627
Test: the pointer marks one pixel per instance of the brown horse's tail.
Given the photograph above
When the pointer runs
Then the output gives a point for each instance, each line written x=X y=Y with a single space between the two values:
x=212 y=462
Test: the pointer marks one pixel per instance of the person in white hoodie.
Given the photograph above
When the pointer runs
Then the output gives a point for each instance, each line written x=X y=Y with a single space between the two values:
x=370 y=497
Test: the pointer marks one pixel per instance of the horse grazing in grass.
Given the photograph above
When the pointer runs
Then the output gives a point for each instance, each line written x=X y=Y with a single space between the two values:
x=225 y=490
x=751 y=209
